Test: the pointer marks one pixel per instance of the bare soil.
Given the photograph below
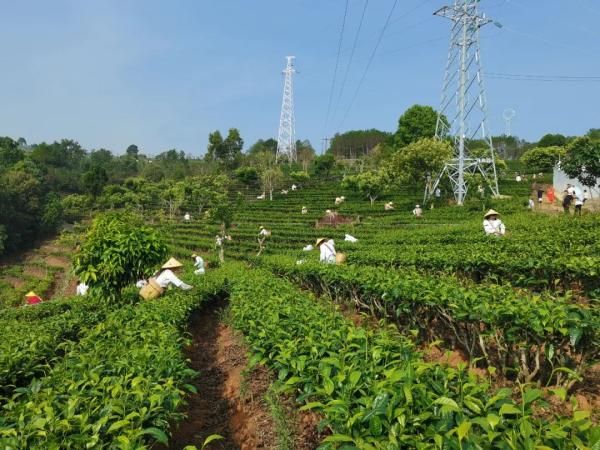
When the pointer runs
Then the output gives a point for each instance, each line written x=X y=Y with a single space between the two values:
x=56 y=261
x=16 y=283
x=35 y=271
x=226 y=403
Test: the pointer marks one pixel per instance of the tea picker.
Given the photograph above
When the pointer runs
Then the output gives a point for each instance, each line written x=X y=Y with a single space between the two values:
x=492 y=225
x=165 y=277
x=199 y=264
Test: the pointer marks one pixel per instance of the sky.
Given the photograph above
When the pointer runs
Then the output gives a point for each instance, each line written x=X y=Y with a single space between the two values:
x=164 y=74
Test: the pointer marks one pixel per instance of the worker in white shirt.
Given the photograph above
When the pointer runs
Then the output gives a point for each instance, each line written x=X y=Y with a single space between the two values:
x=166 y=276
x=531 y=204
x=492 y=225
x=199 y=264
x=81 y=289
x=327 y=249
x=187 y=217
x=304 y=210
x=570 y=190
x=389 y=206
x=294 y=187
x=263 y=233
x=350 y=238
x=417 y=212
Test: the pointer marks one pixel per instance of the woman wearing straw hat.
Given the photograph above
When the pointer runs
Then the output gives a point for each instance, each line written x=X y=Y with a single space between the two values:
x=492 y=225
x=199 y=264
x=32 y=298
x=166 y=275
x=327 y=248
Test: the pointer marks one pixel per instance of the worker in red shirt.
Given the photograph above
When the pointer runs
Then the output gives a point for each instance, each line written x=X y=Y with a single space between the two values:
x=32 y=298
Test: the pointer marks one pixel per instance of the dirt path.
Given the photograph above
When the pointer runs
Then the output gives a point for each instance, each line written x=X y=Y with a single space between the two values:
x=219 y=406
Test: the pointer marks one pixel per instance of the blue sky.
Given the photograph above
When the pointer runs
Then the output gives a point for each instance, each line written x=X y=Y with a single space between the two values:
x=163 y=74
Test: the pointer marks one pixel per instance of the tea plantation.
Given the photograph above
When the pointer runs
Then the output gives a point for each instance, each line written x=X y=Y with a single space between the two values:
x=360 y=344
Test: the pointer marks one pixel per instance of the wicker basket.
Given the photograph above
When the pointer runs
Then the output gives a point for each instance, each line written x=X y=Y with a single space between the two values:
x=340 y=258
x=151 y=291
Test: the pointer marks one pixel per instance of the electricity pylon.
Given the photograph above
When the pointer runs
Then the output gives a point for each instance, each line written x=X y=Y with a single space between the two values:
x=286 y=139
x=464 y=103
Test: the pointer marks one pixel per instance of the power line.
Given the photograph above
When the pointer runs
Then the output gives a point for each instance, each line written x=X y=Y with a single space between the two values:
x=364 y=75
x=542 y=78
x=337 y=62
x=362 y=18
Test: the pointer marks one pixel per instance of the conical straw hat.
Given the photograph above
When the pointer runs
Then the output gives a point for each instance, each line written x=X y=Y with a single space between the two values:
x=172 y=264
x=491 y=212
x=320 y=241
x=31 y=294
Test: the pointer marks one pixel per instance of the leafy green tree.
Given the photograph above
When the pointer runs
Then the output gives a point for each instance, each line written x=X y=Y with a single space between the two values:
x=52 y=212
x=268 y=145
x=200 y=193
x=324 y=164
x=542 y=159
x=271 y=178
x=10 y=153
x=305 y=153
x=94 y=180
x=356 y=143
x=132 y=151
x=413 y=163
x=582 y=161
x=76 y=206
x=299 y=177
x=215 y=146
x=552 y=140
x=233 y=145
x=416 y=123
x=118 y=250
x=371 y=184
x=247 y=175
x=593 y=134
x=153 y=172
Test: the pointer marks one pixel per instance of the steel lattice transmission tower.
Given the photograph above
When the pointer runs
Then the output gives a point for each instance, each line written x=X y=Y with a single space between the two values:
x=464 y=103
x=286 y=139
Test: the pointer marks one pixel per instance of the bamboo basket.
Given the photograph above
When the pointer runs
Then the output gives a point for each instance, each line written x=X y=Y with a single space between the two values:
x=340 y=258
x=151 y=291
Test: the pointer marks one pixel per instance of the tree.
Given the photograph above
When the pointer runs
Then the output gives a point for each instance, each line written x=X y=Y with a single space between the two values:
x=371 y=184
x=215 y=145
x=305 y=153
x=200 y=193
x=271 y=177
x=324 y=164
x=247 y=175
x=132 y=151
x=94 y=180
x=232 y=146
x=593 y=134
x=118 y=250
x=413 y=163
x=416 y=123
x=542 y=159
x=269 y=145
x=552 y=140
x=582 y=161
x=356 y=143
x=10 y=153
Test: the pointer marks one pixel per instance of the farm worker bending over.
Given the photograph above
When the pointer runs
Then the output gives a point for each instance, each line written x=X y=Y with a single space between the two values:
x=492 y=225
x=304 y=210
x=32 y=298
x=388 y=206
x=339 y=200
x=82 y=289
x=166 y=275
x=294 y=187
x=327 y=248
x=199 y=264
x=187 y=217
x=417 y=212
x=350 y=238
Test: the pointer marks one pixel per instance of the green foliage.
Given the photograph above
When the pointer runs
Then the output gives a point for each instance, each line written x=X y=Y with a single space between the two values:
x=582 y=161
x=52 y=212
x=299 y=177
x=76 y=206
x=324 y=164
x=542 y=159
x=356 y=143
x=247 y=175
x=417 y=122
x=412 y=164
x=94 y=180
x=552 y=140
x=118 y=250
x=371 y=184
